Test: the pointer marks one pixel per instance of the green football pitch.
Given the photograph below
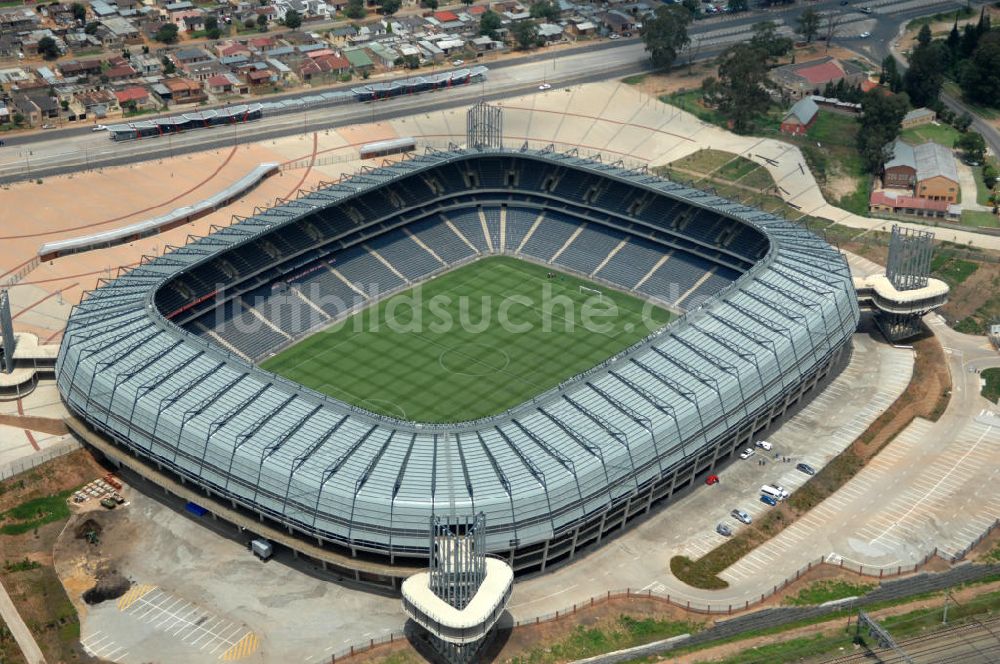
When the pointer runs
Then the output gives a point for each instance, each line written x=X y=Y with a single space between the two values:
x=469 y=343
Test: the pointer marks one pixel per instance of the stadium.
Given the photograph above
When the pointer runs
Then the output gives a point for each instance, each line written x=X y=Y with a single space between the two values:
x=182 y=362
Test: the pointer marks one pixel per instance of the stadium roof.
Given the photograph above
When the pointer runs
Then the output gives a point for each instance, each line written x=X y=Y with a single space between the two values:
x=346 y=475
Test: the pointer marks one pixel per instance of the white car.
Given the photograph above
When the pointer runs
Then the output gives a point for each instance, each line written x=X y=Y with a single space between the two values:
x=784 y=492
x=741 y=516
x=764 y=445
x=100 y=127
x=544 y=86
x=747 y=453
x=865 y=35
x=457 y=63
x=615 y=36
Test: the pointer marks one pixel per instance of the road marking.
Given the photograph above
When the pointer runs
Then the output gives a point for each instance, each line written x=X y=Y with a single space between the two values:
x=134 y=594
x=245 y=647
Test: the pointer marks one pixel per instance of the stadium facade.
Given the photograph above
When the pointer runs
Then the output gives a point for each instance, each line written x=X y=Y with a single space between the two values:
x=161 y=360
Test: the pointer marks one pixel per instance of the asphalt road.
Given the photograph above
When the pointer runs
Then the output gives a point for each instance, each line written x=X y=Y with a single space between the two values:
x=63 y=151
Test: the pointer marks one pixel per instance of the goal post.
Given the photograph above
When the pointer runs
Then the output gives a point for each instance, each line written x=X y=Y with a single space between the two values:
x=586 y=290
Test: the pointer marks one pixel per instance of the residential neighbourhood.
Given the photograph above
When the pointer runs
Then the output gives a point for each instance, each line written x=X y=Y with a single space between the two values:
x=77 y=81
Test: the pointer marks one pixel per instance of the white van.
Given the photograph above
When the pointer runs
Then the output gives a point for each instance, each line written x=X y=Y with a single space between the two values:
x=773 y=491
x=764 y=445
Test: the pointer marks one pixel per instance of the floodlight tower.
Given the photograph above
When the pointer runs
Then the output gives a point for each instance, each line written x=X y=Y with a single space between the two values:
x=484 y=126
x=7 y=339
x=462 y=596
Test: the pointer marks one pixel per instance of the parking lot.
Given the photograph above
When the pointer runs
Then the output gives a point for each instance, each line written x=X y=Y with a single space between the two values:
x=149 y=619
x=815 y=434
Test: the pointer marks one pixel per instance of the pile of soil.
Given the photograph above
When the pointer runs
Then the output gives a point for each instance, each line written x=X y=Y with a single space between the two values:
x=86 y=527
x=110 y=585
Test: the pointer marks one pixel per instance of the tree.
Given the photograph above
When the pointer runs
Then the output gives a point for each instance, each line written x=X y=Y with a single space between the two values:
x=743 y=87
x=79 y=11
x=293 y=19
x=430 y=4
x=489 y=23
x=525 y=34
x=831 y=22
x=665 y=34
x=390 y=7
x=979 y=76
x=970 y=39
x=963 y=122
x=890 y=76
x=467 y=2
x=168 y=66
x=355 y=9
x=973 y=145
x=808 y=24
x=923 y=80
x=262 y=22
x=766 y=39
x=737 y=5
x=212 y=29
x=91 y=28
x=880 y=122
x=48 y=48
x=166 y=34
x=989 y=176
x=545 y=9
x=953 y=41
x=692 y=6
x=924 y=37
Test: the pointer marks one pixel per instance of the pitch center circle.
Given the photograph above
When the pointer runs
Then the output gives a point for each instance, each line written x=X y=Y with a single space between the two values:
x=472 y=359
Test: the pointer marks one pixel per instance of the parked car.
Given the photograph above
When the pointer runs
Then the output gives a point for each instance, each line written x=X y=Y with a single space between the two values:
x=48 y=126
x=768 y=500
x=866 y=10
x=806 y=468
x=785 y=493
x=457 y=63
x=764 y=445
x=865 y=35
x=724 y=530
x=712 y=479
x=741 y=516
x=544 y=86
x=614 y=35
x=100 y=127
x=747 y=453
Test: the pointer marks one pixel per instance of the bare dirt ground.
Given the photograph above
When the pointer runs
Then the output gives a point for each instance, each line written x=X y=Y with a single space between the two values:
x=36 y=592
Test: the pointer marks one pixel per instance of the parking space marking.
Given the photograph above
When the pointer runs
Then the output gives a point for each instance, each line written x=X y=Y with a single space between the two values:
x=134 y=594
x=245 y=647
x=181 y=619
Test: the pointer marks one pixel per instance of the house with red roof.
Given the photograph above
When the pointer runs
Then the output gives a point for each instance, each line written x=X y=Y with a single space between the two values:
x=809 y=78
x=446 y=16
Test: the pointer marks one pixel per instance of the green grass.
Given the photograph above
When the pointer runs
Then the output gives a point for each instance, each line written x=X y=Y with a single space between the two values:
x=827 y=591
x=634 y=80
x=469 y=343
x=979 y=218
x=626 y=632
x=690 y=101
x=941 y=133
x=793 y=650
x=991 y=389
x=834 y=129
x=916 y=23
x=990 y=113
x=35 y=513
x=982 y=191
x=951 y=270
